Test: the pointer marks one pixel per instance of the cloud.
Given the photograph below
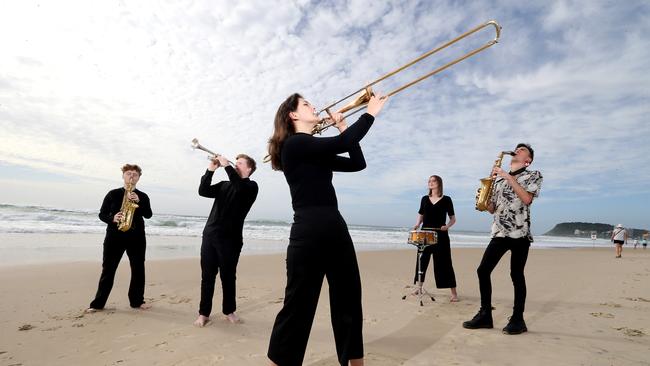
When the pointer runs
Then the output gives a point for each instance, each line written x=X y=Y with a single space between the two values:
x=86 y=87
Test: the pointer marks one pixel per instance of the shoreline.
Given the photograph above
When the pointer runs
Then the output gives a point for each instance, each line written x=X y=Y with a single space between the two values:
x=40 y=248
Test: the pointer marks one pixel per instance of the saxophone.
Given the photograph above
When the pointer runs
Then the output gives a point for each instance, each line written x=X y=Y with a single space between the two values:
x=127 y=209
x=484 y=192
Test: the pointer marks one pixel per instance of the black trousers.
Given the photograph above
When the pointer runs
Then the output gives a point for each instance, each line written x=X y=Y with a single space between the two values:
x=443 y=270
x=518 y=255
x=114 y=249
x=219 y=255
x=319 y=246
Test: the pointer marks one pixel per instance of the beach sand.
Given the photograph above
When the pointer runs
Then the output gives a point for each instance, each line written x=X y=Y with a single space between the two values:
x=584 y=307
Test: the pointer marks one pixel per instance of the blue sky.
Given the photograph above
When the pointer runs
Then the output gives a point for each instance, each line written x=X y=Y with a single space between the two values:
x=86 y=87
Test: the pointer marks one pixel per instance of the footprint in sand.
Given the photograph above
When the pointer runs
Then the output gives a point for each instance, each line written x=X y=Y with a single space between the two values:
x=611 y=304
x=371 y=321
x=179 y=300
x=50 y=329
x=26 y=327
x=602 y=315
x=631 y=332
x=637 y=299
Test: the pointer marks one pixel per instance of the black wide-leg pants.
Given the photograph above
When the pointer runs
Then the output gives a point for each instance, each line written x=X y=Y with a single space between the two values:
x=114 y=249
x=319 y=247
x=443 y=269
x=518 y=256
x=219 y=255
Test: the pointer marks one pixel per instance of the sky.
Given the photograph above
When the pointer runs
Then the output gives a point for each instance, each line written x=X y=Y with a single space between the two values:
x=86 y=87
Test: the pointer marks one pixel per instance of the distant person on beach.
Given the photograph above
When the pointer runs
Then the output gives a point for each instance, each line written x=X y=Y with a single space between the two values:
x=635 y=242
x=222 y=236
x=513 y=194
x=433 y=213
x=116 y=242
x=319 y=243
x=619 y=237
x=644 y=243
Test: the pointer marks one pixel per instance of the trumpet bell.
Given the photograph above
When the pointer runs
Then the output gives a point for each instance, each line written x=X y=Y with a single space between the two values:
x=213 y=155
x=197 y=146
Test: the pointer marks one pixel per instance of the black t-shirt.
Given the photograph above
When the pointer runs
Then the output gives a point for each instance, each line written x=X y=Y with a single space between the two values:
x=308 y=163
x=435 y=216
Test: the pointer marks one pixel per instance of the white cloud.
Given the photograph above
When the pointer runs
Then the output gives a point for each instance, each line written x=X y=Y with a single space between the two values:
x=85 y=87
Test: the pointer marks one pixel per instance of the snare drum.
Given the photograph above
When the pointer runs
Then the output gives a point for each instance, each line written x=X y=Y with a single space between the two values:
x=422 y=237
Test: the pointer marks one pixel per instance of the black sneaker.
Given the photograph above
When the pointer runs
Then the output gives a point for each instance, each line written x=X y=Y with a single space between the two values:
x=482 y=319
x=515 y=326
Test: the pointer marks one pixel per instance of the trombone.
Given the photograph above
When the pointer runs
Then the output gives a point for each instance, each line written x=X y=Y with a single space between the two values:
x=213 y=155
x=365 y=92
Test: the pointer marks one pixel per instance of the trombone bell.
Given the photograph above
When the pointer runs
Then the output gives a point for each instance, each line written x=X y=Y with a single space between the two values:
x=360 y=101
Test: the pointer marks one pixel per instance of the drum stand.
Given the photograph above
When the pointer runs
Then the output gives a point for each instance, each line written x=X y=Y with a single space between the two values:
x=420 y=291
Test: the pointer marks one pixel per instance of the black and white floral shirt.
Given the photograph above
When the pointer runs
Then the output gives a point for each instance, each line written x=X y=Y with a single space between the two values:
x=511 y=215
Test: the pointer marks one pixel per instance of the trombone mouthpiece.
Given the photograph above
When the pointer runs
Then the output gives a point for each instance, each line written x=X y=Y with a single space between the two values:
x=195 y=143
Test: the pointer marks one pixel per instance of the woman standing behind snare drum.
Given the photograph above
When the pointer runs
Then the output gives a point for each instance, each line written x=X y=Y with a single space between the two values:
x=434 y=209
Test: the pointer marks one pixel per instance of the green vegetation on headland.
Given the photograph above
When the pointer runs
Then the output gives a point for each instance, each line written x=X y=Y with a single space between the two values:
x=585 y=229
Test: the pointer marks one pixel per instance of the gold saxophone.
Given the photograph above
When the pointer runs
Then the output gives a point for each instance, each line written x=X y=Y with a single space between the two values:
x=127 y=209
x=484 y=192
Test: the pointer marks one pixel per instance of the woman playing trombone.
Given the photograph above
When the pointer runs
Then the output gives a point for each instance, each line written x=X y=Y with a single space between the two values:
x=319 y=242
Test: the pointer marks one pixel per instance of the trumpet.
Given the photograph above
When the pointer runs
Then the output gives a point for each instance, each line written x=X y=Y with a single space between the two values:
x=212 y=156
x=365 y=92
x=484 y=192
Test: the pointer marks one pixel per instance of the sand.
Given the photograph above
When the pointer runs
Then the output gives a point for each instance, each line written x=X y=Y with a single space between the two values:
x=584 y=307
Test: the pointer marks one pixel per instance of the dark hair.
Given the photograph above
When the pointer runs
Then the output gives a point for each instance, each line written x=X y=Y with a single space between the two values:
x=282 y=128
x=250 y=161
x=527 y=147
x=439 y=181
x=128 y=167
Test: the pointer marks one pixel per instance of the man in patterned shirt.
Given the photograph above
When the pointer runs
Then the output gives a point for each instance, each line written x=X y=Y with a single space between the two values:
x=510 y=204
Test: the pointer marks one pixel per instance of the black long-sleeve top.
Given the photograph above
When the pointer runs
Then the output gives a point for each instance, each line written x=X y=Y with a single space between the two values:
x=232 y=201
x=308 y=163
x=111 y=206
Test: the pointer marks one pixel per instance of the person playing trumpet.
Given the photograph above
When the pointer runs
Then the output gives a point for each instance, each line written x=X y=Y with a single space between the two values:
x=433 y=213
x=319 y=243
x=222 y=236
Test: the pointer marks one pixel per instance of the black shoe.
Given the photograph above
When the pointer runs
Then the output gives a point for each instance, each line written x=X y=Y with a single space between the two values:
x=515 y=326
x=482 y=319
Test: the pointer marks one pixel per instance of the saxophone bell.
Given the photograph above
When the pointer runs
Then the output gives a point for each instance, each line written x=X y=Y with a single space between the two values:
x=128 y=208
x=486 y=188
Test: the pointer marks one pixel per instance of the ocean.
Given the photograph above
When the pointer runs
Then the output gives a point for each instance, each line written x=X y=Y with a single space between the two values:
x=260 y=236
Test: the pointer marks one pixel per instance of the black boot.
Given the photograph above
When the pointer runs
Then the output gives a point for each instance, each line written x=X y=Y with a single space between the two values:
x=482 y=319
x=516 y=325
